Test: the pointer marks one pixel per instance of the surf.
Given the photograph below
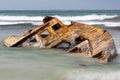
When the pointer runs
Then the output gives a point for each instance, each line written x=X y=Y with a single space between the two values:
x=92 y=19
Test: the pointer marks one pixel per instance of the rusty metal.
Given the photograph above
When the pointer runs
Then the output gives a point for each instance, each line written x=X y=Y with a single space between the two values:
x=79 y=38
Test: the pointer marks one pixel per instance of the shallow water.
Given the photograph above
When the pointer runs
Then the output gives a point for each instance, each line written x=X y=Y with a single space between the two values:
x=52 y=64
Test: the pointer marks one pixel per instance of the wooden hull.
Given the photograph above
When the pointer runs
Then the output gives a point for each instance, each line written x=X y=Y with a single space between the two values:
x=90 y=41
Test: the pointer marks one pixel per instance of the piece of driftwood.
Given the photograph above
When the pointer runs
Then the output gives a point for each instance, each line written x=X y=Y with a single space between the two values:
x=78 y=38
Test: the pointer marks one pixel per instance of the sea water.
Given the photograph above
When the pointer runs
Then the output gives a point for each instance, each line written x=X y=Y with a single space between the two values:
x=54 y=64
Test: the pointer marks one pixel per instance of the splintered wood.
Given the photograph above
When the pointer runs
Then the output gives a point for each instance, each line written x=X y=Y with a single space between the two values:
x=87 y=40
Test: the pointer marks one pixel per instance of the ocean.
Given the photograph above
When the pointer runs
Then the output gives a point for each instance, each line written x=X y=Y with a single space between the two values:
x=103 y=17
x=51 y=64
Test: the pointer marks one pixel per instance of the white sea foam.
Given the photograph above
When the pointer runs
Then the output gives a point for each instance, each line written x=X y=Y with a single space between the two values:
x=108 y=24
x=86 y=17
x=19 y=18
x=20 y=22
x=37 y=20
x=77 y=75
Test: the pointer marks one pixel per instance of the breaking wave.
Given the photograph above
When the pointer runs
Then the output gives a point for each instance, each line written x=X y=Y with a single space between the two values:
x=13 y=20
x=107 y=24
x=86 y=17
x=37 y=20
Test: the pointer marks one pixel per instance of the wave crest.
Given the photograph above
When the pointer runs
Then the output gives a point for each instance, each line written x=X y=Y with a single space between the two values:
x=86 y=17
x=37 y=20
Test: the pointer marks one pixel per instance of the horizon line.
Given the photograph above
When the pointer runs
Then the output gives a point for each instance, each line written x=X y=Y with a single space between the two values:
x=54 y=9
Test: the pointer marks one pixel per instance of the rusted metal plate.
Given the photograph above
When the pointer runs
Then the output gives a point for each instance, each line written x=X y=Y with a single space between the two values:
x=79 y=38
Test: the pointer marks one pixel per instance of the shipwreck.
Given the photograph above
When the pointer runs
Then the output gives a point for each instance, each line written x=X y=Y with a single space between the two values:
x=87 y=40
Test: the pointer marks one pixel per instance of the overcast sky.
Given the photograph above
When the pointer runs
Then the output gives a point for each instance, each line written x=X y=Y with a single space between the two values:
x=59 y=4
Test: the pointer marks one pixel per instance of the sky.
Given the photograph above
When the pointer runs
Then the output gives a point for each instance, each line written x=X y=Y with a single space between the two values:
x=59 y=4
